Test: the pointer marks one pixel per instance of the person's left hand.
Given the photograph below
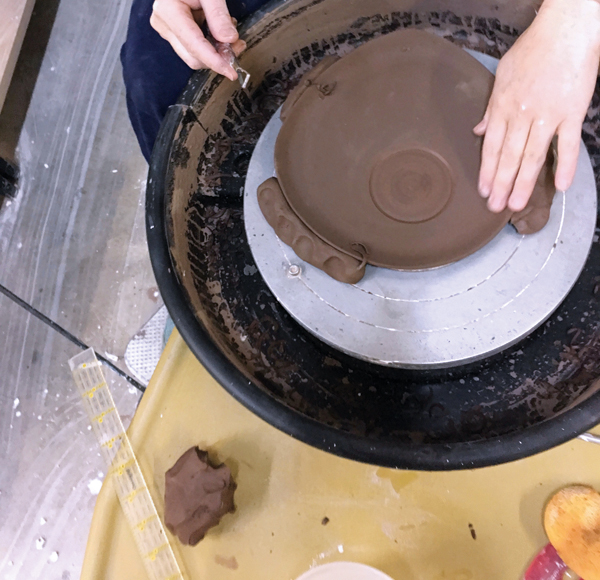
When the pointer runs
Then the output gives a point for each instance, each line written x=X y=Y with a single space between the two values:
x=178 y=22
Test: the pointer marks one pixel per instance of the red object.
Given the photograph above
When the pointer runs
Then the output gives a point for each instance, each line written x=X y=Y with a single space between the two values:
x=547 y=565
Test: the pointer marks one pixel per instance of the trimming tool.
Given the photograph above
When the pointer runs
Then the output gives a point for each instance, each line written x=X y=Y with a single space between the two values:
x=139 y=509
x=225 y=50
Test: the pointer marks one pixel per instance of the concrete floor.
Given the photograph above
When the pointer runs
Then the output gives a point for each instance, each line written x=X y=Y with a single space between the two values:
x=74 y=270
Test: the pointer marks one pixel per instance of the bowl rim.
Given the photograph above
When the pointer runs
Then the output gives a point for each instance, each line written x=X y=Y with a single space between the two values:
x=336 y=568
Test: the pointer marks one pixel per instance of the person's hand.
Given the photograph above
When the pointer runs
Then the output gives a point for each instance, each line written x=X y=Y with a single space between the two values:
x=543 y=88
x=178 y=22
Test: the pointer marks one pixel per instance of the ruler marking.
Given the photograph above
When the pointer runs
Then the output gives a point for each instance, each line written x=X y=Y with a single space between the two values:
x=142 y=525
x=113 y=440
x=120 y=469
x=99 y=418
x=152 y=555
x=90 y=392
x=134 y=493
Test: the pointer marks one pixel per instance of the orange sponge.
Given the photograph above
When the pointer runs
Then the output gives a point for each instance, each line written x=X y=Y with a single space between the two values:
x=572 y=522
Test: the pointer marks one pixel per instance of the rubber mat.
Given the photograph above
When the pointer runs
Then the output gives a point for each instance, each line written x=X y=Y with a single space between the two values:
x=144 y=349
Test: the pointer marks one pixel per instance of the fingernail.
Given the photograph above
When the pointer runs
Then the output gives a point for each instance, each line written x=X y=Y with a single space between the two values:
x=494 y=206
x=228 y=32
x=517 y=207
x=484 y=191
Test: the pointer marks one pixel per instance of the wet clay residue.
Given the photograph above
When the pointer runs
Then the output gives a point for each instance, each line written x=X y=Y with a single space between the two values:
x=537 y=213
x=377 y=158
x=291 y=231
x=310 y=80
x=197 y=496
x=230 y=563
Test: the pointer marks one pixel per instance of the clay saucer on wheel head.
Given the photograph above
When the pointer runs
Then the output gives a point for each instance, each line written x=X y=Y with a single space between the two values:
x=377 y=152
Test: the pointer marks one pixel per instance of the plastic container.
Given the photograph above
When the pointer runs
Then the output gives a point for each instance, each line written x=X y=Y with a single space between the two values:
x=344 y=571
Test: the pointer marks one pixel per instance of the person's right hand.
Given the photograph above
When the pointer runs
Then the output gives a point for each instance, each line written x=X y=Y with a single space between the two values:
x=178 y=22
x=543 y=88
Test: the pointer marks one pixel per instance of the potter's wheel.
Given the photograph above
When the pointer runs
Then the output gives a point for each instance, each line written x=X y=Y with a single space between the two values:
x=436 y=318
x=537 y=394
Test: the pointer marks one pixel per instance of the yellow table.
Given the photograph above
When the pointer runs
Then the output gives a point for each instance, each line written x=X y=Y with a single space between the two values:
x=411 y=525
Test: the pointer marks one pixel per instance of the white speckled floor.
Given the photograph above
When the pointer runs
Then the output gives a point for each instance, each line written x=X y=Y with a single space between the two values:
x=73 y=250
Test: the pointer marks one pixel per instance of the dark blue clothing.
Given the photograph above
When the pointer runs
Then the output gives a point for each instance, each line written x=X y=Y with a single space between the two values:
x=154 y=75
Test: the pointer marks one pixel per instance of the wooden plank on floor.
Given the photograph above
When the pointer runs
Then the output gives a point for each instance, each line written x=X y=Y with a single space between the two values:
x=13 y=24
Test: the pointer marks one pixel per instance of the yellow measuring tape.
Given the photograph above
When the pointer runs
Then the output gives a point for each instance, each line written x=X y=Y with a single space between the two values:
x=133 y=493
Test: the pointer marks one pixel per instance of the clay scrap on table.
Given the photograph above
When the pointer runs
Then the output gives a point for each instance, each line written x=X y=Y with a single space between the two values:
x=197 y=496
x=377 y=163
